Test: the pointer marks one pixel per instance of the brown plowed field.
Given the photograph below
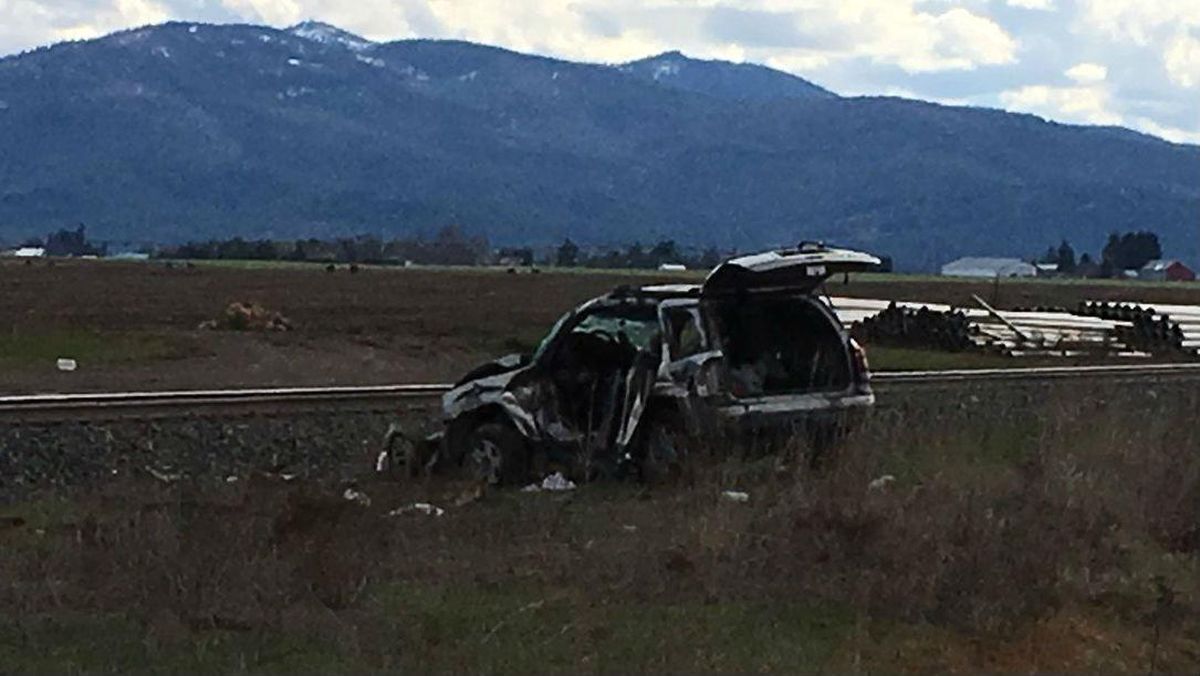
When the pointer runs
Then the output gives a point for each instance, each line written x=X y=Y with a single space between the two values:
x=135 y=325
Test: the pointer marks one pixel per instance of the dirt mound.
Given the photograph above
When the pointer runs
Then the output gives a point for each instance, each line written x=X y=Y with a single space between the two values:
x=248 y=317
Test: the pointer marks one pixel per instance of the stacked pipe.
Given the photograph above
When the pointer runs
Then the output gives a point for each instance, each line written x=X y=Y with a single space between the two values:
x=900 y=326
x=1148 y=330
x=1091 y=328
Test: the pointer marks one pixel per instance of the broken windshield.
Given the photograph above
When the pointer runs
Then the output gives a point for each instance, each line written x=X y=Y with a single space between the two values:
x=638 y=324
x=637 y=328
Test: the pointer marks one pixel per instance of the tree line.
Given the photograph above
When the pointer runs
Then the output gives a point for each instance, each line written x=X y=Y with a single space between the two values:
x=67 y=243
x=1122 y=251
x=451 y=245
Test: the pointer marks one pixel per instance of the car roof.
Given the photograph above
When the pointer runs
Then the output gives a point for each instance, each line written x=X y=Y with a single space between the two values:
x=671 y=290
x=654 y=292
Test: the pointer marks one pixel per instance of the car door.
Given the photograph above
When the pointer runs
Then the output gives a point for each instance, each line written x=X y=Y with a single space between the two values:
x=689 y=373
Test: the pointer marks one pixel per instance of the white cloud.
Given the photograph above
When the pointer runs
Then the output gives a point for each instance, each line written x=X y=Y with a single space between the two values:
x=1031 y=4
x=1085 y=105
x=559 y=28
x=968 y=40
x=1141 y=22
x=799 y=61
x=31 y=23
x=275 y=12
x=905 y=93
x=906 y=33
x=900 y=32
x=1087 y=73
x=1173 y=134
x=1182 y=61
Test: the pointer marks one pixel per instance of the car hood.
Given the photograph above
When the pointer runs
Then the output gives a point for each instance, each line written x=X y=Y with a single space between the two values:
x=505 y=364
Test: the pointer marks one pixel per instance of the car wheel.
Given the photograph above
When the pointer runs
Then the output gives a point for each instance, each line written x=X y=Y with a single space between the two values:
x=394 y=460
x=496 y=453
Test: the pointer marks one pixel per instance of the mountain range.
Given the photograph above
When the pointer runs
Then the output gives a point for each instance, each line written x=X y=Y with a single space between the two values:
x=189 y=131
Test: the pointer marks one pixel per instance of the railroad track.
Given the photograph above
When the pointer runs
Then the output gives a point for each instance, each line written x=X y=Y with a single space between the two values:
x=134 y=404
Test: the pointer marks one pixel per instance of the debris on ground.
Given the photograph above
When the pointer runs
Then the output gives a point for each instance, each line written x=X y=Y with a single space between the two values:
x=165 y=477
x=356 y=496
x=64 y=364
x=736 y=496
x=418 y=508
x=248 y=317
x=881 y=483
x=554 y=483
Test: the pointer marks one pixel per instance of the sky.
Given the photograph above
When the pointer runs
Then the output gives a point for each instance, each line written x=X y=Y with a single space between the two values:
x=1134 y=63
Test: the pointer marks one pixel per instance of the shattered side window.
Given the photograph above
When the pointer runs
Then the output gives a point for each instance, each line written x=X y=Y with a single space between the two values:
x=638 y=328
x=686 y=337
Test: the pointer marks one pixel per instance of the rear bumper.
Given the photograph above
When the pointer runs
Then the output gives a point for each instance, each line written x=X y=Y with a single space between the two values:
x=792 y=410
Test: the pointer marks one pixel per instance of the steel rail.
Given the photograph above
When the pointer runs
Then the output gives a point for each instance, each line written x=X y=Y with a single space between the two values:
x=81 y=402
x=207 y=398
x=1031 y=373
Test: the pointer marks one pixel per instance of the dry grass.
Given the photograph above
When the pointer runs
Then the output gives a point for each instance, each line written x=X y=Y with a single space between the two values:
x=1061 y=536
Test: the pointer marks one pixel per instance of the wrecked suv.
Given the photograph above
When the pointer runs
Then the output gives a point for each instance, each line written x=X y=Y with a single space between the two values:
x=624 y=381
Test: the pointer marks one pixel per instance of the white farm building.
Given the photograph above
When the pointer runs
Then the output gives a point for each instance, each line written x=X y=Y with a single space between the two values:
x=989 y=267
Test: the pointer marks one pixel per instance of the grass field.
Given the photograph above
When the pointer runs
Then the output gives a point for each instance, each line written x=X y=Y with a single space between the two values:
x=18 y=348
x=134 y=325
x=1058 y=536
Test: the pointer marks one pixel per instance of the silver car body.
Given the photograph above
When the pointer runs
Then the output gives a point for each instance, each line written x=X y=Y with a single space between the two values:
x=691 y=382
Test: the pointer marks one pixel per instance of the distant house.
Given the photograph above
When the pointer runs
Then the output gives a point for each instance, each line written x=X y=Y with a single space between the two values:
x=989 y=267
x=28 y=252
x=1166 y=271
x=1047 y=269
x=129 y=256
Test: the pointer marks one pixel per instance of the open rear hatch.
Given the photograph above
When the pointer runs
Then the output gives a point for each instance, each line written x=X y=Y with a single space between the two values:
x=799 y=270
x=776 y=337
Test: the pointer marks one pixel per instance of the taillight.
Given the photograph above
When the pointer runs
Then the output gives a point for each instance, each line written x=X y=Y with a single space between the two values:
x=858 y=358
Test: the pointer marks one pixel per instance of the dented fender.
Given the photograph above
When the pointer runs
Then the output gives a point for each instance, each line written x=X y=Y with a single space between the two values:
x=492 y=392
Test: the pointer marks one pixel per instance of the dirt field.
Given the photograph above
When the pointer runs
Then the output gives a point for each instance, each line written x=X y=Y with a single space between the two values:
x=135 y=325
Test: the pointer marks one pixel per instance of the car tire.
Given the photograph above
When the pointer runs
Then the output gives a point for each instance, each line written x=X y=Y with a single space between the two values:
x=394 y=461
x=496 y=453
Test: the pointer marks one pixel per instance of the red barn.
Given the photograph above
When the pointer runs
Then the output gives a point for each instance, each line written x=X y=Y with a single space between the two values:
x=1167 y=271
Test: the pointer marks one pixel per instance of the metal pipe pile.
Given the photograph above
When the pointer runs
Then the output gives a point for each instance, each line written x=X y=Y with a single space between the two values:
x=1123 y=329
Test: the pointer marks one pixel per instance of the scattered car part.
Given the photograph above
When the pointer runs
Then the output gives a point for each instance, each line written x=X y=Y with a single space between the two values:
x=418 y=508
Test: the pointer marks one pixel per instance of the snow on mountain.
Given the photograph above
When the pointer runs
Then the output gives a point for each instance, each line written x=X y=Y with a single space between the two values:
x=327 y=34
x=738 y=81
